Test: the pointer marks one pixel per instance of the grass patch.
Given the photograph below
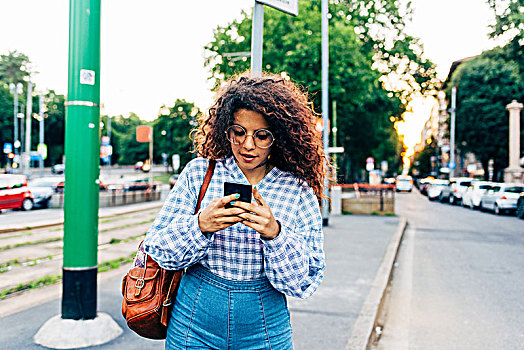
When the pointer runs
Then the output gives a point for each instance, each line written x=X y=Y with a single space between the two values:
x=8 y=265
x=40 y=282
x=163 y=178
x=345 y=212
x=53 y=279
x=25 y=233
x=127 y=225
x=23 y=244
x=116 y=263
x=129 y=239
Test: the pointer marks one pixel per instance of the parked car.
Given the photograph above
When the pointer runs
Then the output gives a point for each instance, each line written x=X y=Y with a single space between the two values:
x=404 y=183
x=435 y=188
x=42 y=191
x=423 y=185
x=520 y=206
x=14 y=193
x=501 y=197
x=59 y=183
x=456 y=189
x=58 y=168
x=56 y=183
x=471 y=198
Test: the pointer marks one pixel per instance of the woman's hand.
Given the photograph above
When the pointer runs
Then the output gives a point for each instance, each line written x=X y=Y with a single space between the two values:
x=216 y=216
x=259 y=217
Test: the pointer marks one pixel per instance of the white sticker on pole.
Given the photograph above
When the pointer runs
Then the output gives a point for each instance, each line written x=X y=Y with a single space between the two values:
x=287 y=6
x=87 y=77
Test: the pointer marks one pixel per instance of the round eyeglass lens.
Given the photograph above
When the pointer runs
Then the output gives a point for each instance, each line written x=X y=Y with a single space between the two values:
x=237 y=135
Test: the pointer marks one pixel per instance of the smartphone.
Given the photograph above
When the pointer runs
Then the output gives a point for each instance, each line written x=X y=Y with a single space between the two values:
x=243 y=190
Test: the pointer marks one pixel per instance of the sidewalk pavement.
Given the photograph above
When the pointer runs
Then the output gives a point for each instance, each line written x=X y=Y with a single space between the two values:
x=354 y=245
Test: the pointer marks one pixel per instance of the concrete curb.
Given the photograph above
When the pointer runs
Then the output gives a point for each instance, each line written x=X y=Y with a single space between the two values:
x=364 y=331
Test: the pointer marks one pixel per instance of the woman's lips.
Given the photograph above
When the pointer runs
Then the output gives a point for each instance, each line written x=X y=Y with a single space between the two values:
x=248 y=158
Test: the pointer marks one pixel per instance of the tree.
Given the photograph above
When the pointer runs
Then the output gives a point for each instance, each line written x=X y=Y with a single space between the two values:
x=54 y=126
x=6 y=119
x=485 y=85
x=509 y=24
x=14 y=68
x=172 y=131
x=126 y=150
x=366 y=109
x=422 y=159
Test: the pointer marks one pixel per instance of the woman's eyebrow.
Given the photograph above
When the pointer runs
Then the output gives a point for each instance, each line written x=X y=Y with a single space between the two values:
x=246 y=128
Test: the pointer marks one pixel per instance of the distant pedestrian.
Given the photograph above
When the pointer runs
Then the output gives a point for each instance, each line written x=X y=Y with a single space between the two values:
x=242 y=261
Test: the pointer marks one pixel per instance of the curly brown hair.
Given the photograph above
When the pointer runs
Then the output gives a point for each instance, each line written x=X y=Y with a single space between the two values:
x=290 y=116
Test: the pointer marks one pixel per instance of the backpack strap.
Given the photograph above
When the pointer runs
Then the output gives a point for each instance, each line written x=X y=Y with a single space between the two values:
x=205 y=184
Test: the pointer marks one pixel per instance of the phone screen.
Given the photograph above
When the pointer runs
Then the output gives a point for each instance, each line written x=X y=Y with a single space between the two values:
x=243 y=190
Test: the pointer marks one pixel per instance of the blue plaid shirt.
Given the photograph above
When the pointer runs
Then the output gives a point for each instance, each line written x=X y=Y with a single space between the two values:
x=293 y=261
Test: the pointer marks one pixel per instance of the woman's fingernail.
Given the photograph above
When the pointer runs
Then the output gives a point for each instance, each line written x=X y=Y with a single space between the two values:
x=237 y=195
x=233 y=202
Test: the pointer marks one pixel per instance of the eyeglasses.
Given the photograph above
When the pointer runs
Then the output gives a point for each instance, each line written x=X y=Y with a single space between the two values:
x=237 y=135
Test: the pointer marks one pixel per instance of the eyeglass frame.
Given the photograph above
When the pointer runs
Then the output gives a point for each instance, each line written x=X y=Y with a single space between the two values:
x=252 y=135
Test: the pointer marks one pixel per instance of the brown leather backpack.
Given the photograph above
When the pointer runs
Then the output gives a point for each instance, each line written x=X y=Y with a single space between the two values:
x=149 y=292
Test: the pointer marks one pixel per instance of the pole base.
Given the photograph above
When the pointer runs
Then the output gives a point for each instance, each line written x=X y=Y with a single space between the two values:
x=79 y=288
x=59 y=333
x=325 y=222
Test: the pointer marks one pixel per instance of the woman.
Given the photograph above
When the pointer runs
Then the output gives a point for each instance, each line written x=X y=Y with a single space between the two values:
x=242 y=260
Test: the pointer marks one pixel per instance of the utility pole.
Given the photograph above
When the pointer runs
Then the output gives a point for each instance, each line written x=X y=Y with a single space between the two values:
x=109 y=135
x=82 y=169
x=26 y=159
x=257 y=39
x=452 y=164
x=16 y=89
x=82 y=151
x=334 y=134
x=325 y=104
x=41 y=134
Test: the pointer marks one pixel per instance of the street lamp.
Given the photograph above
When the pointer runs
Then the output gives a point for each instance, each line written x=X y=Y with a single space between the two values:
x=15 y=90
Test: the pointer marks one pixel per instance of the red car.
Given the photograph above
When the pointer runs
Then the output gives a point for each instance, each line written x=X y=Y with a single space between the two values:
x=14 y=193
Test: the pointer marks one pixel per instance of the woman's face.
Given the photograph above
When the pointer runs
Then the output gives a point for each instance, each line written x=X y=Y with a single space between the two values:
x=250 y=157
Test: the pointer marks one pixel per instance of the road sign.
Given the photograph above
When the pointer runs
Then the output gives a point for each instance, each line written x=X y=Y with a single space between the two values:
x=8 y=147
x=370 y=160
x=287 y=6
x=42 y=149
x=143 y=133
x=105 y=140
x=452 y=165
x=106 y=151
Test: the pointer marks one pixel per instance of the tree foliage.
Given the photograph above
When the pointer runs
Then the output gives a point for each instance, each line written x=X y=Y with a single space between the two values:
x=14 y=68
x=485 y=86
x=368 y=50
x=172 y=130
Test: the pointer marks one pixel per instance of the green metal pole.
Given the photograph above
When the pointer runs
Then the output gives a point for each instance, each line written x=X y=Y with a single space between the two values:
x=82 y=159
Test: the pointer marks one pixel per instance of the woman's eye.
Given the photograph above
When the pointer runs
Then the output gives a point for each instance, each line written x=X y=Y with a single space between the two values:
x=239 y=132
x=262 y=135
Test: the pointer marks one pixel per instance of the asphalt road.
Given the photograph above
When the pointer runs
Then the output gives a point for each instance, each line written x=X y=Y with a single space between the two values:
x=458 y=281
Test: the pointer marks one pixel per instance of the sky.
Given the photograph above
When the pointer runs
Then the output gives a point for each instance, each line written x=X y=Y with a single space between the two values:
x=152 y=51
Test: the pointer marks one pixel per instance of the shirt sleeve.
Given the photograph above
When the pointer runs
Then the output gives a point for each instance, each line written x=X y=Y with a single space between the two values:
x=175 y=240
x=294 y=260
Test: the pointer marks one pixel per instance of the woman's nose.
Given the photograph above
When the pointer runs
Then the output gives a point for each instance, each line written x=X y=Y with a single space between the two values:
x=249 y=142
